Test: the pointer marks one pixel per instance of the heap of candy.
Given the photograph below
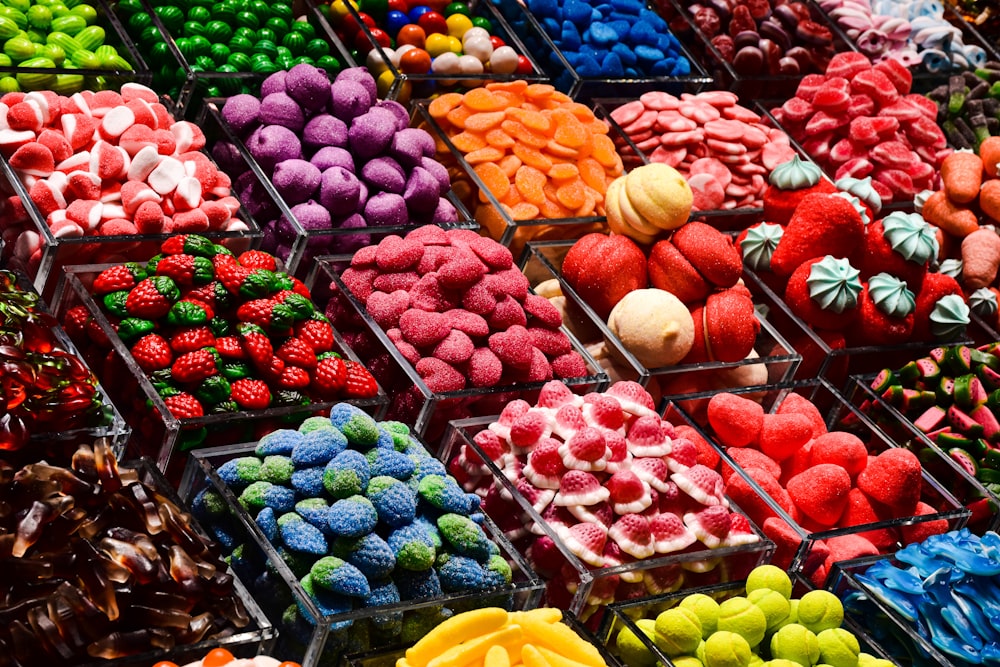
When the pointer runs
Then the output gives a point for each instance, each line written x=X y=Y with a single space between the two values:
x=218 y=333
x=952 y=395
x=854 y=277
x=220 y=657
x=46 y=388
x=945 y=590
x=721 y=148
x=766 y=624
x=338 y=156
x=107 y=163
x=821 y=479
x=363 y=515
x=861 y=120
x=97 y=564
x=612 y=480
x=494 y=636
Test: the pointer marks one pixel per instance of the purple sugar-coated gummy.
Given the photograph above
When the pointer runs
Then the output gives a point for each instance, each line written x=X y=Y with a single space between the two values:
x=273 y=144
x=371 y=133
x=340 y=191
x=445 y=212
x=349 y=100
x=309 y=86
x=363 y=197
x=438 y=171
x=311 y=216
x=398 y=110
x=333 y=156
x=275 y=83
x=324 y=130
x=227 y=157
x=296 y=180
x=422 y=191
x=362 y=76
x=280 y=109
x=384 y=173
x=386 y=209
x=242 y=113
x=411 y=144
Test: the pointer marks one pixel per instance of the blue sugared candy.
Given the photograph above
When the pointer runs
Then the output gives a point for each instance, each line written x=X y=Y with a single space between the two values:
x=318 y=448
x=459 y=573
x=347 y=474
x=369 y=553
x=352 y=517
x=338 y=576
x=395 y=502
x=268 y=523
x=308 y=482
x=279 y=442
x=383 y=461
x=300 y=536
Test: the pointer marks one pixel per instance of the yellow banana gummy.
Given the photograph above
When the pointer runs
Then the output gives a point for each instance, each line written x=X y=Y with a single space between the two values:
x=561 y=639
x=473 y=651
x=533 y=657
x=453 y=631
x=497 y=656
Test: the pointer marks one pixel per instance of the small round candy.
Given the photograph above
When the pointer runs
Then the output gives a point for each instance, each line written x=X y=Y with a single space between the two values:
x=381 y=37
x=446 y=63
x=411 y=34
x=480 y=48
x=454 y=45
x=524 y=65
x=433 y=22
x=473 y=33
x=503 y=60
x=395 y=21
x=415 y=61
x=437 y=44
x=417 y=12
x=399 y=6
x=458 y=24
x=457 y=8
x=497 y=42
x=482 y=22
x=470 y=65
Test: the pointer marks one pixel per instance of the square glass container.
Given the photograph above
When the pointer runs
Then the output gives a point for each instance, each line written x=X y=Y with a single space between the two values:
x=326 y=639
x=582 y=87
x=571 y=583
x=411 y=401
x=156 y=433
x=776 y=361
x=299 y=246
x=57 y=253
x=942 y=488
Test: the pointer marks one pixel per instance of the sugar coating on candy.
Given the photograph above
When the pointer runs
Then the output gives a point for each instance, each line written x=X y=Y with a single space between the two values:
x=369 y=553
x=277 y=469
x=318 y=447
x=240 y=472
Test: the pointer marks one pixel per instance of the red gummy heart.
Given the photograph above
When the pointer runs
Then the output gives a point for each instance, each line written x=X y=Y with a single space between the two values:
x=428 y=294
x=737 y=421
x=385 y=308
x=783 y=435
x=440 y=376
x=893 y=478
x=461 y=270
x=423 y=328
x=456 y=348
x=513 y=346
x=820 y=492
x=840 y=448
x=398 y=254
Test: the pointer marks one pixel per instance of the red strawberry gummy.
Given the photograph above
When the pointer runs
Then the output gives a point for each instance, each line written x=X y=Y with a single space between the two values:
x=545 y=468
x=840 y=448
x=633 y=535
x=586 y=540
x=893 y=478
x=783 y=435
x=799 y=404
x=628 y=493
x=737 y=421
x=821 y=225
x=578 y=487
x=820 y=492
x=603 y=269
x=669 y=533
x=586 y=449
x=701 y=483
x=710 y=524
x=859 y=512
x=750 y=500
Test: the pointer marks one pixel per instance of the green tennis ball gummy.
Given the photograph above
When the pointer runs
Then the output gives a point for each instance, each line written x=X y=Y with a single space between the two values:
x=678 y=631
x=868 y=660
x=796 y=643
x=775 y=606
x=770 y=576
x=820 y=610
x=631 y=649
x=740 y=616
x=707 y=610
x=727 y=649
x=838 y=648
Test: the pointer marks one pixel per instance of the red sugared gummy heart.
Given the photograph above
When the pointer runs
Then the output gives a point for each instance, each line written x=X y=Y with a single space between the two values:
x=737 y=421
x=840 y=448
x=820 y=492
x=783 y=435
x=893 y=478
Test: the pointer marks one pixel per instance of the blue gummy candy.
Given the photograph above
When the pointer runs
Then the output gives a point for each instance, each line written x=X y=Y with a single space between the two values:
x=444 y=493
x=264 y=494
x=394 y=501
x=318 y=448
x=280 y=442
x=460 y=574
x=588 y=67
x=612 y=66
x=576 y=12
x=413 y=547
x=625 y=54
x=551 y=27
x=224 y=536
x=544 y=8
x=384 y=593
x=351 y=517
x=390 y=462
x=650 y=54
x=347 y=474
x=642 y=33
x=497 y=572
x=425 y=465
x=240 y=472
x=385 y=439
x=339 y=576
x=569 y=37
x=429 y=526
x=302 y=537
x=268 y=523
x=417 y=585
x=602 y=33
x=628 y=6
x=370 y=554
x=308 y=482
x=313 y=510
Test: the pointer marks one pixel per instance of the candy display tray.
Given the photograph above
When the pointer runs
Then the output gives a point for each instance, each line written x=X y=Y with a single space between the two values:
x=578 y=587
x=388 y=658
x=885 y=628
x=59 y=446
x=257 y=638
x=567 y=79
x=633 y=156
x=99 y=79
x=984 y=504
x=942 y=487
x=748 y=87
x=298 y=256
x=277 y=588
x=406 y=86
x=195 y=84
x=155 y=431
x=542 y=261
x=837 y=364
x=411 y=401
x=58 y=253
x=623 y=616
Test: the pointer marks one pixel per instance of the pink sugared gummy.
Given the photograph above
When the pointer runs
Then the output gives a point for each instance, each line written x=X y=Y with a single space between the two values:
x=840 y=448
x=551 y=342
x=507 y=313
x=820 y=492
x=386 y=307
x=440 y=376
x=783 y=435
x=512 y=346
x=423 y=328
x=847 y=65
x=485 y=368
x=456 y=348
x=737 y=421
